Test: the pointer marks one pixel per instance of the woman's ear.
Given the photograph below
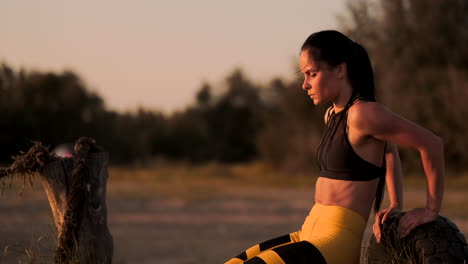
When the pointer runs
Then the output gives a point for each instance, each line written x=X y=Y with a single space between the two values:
x=341 y=70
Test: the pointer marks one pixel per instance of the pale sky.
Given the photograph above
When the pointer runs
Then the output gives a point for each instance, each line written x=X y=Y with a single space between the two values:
x=157 y=53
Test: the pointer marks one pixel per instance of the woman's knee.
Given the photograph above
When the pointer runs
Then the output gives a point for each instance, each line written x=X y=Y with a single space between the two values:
x=302 y=252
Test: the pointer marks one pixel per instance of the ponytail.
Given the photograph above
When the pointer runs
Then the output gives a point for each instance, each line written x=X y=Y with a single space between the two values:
x=360 y=73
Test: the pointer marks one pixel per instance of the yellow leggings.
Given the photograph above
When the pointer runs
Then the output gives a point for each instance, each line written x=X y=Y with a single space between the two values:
x=329 y=235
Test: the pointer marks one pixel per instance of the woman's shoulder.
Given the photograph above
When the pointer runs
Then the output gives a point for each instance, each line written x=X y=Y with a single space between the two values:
x=361 y=107
x=328 y=114
x=362 y=113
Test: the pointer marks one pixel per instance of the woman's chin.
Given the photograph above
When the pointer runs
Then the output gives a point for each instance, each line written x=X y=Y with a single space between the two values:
x=316 y=101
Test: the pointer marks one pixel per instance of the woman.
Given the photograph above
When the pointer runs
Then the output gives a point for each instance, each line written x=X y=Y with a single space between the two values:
x=357 y=154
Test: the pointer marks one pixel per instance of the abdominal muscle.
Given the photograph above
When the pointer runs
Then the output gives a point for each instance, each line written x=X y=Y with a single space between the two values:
x=357 y=196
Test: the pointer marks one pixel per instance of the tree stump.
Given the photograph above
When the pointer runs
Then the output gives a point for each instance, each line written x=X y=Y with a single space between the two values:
x=437 y=242
x=76 y=190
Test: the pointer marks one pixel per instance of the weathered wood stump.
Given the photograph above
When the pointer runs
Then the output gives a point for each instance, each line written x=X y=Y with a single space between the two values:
x=437 y=242
x=76 y=190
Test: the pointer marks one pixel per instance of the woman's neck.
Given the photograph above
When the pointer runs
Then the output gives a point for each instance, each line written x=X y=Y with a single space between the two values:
x=342 y=99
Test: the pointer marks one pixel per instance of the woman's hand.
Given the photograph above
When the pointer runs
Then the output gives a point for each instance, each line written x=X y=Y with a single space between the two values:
x=414 y=218
x=380 y=218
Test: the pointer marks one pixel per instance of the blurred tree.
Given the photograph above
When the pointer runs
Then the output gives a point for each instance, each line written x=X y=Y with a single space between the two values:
x=420 y=54
x=234 y=120
x=47 y=107
x=204 y=96
x=292 y=128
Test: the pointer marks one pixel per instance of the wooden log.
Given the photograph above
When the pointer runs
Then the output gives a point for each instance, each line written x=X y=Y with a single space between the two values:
x=93 y=242
x=76 y=190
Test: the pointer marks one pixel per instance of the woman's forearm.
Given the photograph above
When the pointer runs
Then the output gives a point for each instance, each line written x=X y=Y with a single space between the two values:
x=433 y=163
x=394 y=176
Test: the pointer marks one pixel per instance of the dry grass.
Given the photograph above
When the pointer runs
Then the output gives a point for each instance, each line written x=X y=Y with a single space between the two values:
x=38 y=250
x=198 y=181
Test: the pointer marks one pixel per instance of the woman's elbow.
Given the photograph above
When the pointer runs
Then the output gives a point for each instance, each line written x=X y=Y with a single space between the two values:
x=439 y=143
x=433 y=143
x=436 y=145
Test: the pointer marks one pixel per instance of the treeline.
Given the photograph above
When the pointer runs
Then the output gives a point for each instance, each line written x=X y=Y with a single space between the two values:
x=236 y=125
x=419 y=50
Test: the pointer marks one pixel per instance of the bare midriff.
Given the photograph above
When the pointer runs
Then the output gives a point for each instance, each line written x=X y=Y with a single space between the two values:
x=354 y=195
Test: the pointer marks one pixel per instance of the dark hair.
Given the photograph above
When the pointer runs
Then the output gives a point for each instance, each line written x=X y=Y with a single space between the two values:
x=333 y=47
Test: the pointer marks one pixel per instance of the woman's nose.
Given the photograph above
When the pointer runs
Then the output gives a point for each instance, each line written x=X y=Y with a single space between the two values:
x=305 y=85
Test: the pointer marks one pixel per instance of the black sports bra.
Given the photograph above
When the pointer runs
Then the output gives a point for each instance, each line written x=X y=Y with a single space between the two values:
x=336 y=157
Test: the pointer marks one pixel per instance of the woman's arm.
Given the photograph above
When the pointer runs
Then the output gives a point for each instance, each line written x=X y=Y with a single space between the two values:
x=375 y=120
x=394 y=177
x=394 y=180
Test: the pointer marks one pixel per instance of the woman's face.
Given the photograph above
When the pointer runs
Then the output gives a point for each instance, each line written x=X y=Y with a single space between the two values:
x=321 y=81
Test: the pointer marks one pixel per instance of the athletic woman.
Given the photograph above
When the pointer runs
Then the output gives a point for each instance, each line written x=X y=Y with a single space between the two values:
x=356 y=156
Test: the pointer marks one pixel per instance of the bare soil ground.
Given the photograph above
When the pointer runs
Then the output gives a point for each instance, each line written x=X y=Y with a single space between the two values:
x=196 y=225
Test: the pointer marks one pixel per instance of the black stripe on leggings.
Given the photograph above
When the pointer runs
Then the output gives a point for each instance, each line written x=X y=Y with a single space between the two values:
x=300 y=253
x=274 y=242
x=242 y=256
x=255 y=260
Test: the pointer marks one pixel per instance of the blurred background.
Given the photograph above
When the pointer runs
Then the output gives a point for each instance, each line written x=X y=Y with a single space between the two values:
x=201 y=109
x=216 y=81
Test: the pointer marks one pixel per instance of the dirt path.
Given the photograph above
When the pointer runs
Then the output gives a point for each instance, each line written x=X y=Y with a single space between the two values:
x=169 y=229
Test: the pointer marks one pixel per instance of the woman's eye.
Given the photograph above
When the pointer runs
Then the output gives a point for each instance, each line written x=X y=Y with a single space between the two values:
x=312 y=74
